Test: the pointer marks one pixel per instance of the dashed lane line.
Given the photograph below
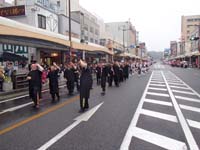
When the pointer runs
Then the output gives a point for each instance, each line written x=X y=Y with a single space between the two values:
x=162 y=141
x=157 y=94
x=159 y=115
x=158 y=102
x=187 y=99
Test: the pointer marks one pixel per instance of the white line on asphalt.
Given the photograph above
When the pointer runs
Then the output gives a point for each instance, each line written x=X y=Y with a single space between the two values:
x=190 y=108
x=158 y=89
x=176 y=84
x=158 y=94
x=194 y=124
x=188 y=134
x=159 y=115
x=15 y=108
x=84 y=117
x=188 y=99
x=129 y=133
x=26 y=95
x=157 y=82
x=159 y=140
x=157 y=85
x=158 y=102
x=183 y=92
x=178 y=87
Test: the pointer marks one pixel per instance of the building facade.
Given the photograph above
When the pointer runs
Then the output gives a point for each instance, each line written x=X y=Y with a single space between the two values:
x=173 y=48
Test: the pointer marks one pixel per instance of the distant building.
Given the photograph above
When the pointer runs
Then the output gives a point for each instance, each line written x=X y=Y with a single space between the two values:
x=173 y=48
x=188 y=25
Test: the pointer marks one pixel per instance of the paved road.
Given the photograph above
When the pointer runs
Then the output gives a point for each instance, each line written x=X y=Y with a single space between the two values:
x=156 y=111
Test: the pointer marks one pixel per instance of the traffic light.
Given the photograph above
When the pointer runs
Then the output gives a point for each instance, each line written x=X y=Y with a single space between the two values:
x=194 y=38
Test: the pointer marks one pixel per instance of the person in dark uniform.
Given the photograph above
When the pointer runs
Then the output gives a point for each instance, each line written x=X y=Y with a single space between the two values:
x=104 y=74
x=76 y=76
x=110 y=75
x=85 y=86
x=126 y=70
x=35 y=83
x=53 y=81
x=98 y=74
x=121 y=73
x=116 y=73
x=69 y=76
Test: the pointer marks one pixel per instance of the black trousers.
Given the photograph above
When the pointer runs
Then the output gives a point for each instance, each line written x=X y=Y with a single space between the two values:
x=36 y=93
x=53 y=95
x=1 y=85
x=70 y=86
x=84 y=103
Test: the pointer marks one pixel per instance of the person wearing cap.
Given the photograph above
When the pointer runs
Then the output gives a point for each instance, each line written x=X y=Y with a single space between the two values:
x=53 y=81
x=35 y=83
x=85 y=86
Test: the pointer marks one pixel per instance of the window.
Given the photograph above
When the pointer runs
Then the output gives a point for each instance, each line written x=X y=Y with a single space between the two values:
x=91 y=29
x=41 y=21
x=96 y=42
x=86 y=38
x=96 y=31
x=91 y=40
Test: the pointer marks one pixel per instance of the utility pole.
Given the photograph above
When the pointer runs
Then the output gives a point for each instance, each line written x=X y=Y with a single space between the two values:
x=70 y=34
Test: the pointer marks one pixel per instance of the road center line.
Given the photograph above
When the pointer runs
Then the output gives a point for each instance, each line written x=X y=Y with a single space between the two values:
x=188 y=134
x=12 y=127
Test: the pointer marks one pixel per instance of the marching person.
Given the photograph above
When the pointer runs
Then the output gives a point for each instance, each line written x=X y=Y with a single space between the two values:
x=104 y=74
x=116 y=70
x=35 y=83
x=110 y=75
x=53 y=81
x=69 y=76
x=85 y=86
x=76 y=76
x=98 y=74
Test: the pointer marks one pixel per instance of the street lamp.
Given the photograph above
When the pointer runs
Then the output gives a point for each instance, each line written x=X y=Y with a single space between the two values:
x=70 y=34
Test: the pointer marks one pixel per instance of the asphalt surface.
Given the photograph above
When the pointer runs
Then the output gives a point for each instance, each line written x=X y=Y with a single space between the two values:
x=155 y=111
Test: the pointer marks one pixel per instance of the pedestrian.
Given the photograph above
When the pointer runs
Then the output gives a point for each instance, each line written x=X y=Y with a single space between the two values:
x=98 y=74
x=110 y=75
x=69 y=76
x=2 y=78
x=35 y=83
x=85 y=86
x=104 y=74
x=116 y=70
x=53 y=81
x=76 y=76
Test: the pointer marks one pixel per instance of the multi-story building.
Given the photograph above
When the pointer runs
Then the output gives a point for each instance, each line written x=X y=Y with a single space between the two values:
x=123 y=33
x=90 y=29
x=188 y=25
x=173 y=48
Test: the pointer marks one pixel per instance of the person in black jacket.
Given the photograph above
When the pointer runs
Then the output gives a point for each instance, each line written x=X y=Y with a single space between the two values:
x=69 y=76
x=110 y=75
x=53 y=81
x=98 y=74
x=35 y=83
x=76 y=76
x=104 y=74
x=116 y=70
x=85 y=86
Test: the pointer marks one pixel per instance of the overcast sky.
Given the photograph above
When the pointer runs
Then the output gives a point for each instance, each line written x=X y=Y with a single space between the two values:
x=158 y=21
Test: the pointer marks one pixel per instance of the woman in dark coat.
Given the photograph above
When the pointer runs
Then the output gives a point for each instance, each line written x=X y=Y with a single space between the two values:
x=53 y=81
x=85 y=86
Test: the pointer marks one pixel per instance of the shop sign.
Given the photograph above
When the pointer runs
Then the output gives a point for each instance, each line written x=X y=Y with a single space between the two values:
x=16 y=49
x=12 y=11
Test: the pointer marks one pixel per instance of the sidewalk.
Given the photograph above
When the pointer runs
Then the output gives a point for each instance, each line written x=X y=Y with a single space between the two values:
x=24 y=91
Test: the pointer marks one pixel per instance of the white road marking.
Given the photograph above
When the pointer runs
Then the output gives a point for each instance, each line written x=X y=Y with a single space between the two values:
x=84 y=117
x=158 y=102
x=157 y=82
x=194 y=124
x=195 y=109
x=183 y=92
x=178 y=87
x=188 y=99
x=188 y=134
x=157 y=85
x=176 y=84
x=158 y=89
x=159 y=115
x=158 y=94
x=26 y=95
x=15 y=108
x=159 y=140
x=129 y=133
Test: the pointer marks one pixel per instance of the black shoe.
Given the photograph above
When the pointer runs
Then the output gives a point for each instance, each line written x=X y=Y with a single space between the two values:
x=81 y=110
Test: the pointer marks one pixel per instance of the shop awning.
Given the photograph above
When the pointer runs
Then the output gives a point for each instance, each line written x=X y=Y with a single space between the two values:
x=12 y=28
